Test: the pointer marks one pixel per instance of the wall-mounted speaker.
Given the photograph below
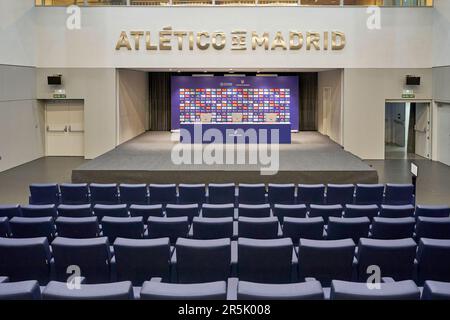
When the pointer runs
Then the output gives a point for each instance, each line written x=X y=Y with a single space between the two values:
x=54 y=80
x=412 y=81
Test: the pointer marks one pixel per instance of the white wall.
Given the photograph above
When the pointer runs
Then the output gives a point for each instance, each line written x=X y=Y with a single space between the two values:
x=97 y=87
x=133 y=94
x=333 y=80
x=441 y=33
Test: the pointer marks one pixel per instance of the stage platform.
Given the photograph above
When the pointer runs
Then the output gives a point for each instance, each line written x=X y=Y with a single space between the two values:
x=310 y=158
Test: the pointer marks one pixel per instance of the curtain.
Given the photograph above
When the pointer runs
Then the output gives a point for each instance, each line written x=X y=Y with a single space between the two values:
x=308 y=85
x=160 y=109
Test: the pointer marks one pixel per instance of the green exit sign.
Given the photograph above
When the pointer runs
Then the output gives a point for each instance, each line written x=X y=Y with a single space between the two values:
x=408 y=96
x=59 y=96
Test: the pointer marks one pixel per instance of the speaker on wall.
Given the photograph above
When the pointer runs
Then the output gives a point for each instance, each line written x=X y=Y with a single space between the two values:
x=412 y=81
x=54 y=80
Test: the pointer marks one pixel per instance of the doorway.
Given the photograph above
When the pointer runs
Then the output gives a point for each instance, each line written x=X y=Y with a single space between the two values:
x=407 y=130
x=64 y=128
x=443 y=133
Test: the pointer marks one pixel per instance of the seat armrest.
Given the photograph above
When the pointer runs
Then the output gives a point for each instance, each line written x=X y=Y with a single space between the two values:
x=232 y=287
x=280 y=231
x=191 y=231
x=235 y=230
x=156 y=279
x=307 y=279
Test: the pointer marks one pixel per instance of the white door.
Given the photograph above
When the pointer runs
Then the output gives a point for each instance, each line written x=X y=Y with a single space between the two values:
x=422 y=130
x=64 y=128
x=443 y=133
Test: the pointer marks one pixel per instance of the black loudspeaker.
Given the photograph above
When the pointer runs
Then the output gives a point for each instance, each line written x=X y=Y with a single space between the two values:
x=54 y=80
x=412 y=81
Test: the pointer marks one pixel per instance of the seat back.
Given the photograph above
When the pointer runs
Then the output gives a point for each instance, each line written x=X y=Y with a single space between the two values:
x=401 y=290
x=310 y=290
x=44 y=193
x=163 y=193
x=307 y=228
x=358 y=211
x=75 y=211
x=344 y=228
x=325 y=211
x=435 y=228
x=369 y=194
x=131 y=228
x=258 y=228
x=221 y=193
x=78 y=227
x=23 y=290
x=254 y=210
x=436 y=290
x=252 y=193
x=104 y=193
x=32 y=227
x=155 y=290
x=39 y=211
x=393 y=228
x=398 y=211
x=281 y=193
x=399 y=194
x=172 y=228
x=212 y=228
x=218 y=210
x=182 y=210
x=192 y=193
x=289 y=210
x=110 y=210
x=311 y=193
x=74 y=193
x=432 y=211
x=10 y=211
x=340 y=194
x=146 y=211
x=133 y=194
x=433 y=257
x=104 y=291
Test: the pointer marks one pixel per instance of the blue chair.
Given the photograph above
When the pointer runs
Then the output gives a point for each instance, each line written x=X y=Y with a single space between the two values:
x=309 y=290
x=252 y=193
x=307 y=228
x=340 y=194
x=358 y=211
x=433 y=260
x=393 y=228
x=281 y=193
x=221 y=193
x=44 y=193
x=213 y=228
x=182 y=210
x=344 y=228
x=325 y=211
x=104 y=193
x=39 y=211
x=311 y=194
x=254 y=210
x=92 y=256
x=146 y=211
x=138 y=260
x=28 y=259
x=103 y=291
x=192 y=193
x=436 y=290
x=5 y=230
x=399 y=194
x=10 y=211
x=432 y=211
x=32 y=227
x=75 y=211
x=163 y=193
x=173 y=228
x=110 y=210
x=326 y=260
x=282 y=211
x=133 y=194
x=218 y=210
x=395 y=258
x=131 y=228
x=401 y=290
x=369 y=194
x=258 y=228
x=435 y=228
x=23 y=290
x=74 y=193
x=86 y=228
x=400 y=211
x=202 y=260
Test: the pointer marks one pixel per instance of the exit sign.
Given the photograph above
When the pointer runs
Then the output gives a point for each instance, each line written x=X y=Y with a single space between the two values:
x=408 y=96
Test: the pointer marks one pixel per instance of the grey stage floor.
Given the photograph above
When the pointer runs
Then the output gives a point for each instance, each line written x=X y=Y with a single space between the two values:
x=311 y=158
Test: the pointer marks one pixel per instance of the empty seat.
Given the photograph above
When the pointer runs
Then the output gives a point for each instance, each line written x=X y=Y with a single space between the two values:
x=104 y=193
x=172 y=228
x=202 y=260
x=87 y=227
x=266 y=261
x=218 y=210
x=432 y=211
x=221 y=193
x=340 y=194
x=436 y=290
x=369 y=194
x=392 y=228
x=192 y=193
x=281 y=193
x=310 y=290
x=44 y=193
x=311 y=193
x=104 y=291
x=140 y=260
x=39 y=211
x=308 y=228
x=5 y=230
x=402 y=290
x=289 y=210
x=357 y=211
x=156 y=290
x=258 y=228
x=435 y=228
x=399 y=194
x=395 y=258
x=252 y=193
x=213 y=228
x=32 y=227
x=110 y=210
x=23 y=290
x=131 y=228
x=133 y=194
x=91 y=256
x=344 y=228
x=10 y=211
x=75 y=211
x=182 y=210
x=325 y=211
x=433 y=260
x=28 y=259
x=403 y=211
x=254 y=210
x=146 y=211
x=162 y=193
x=74 y=193
x=326 y=260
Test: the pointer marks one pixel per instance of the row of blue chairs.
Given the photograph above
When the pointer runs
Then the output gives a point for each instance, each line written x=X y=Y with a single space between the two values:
x=196 y=261
x=233 y=289
x=395 y=194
